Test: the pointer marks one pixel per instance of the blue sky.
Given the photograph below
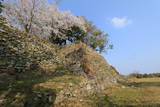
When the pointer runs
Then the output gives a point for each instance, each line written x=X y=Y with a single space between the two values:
x=134 y=26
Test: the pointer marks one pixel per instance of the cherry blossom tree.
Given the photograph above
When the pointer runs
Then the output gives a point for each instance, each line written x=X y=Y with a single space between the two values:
x=23 y=14
x=40 y=18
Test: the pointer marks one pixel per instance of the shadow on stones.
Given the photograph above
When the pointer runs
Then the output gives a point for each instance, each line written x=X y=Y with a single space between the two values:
x=20 y=73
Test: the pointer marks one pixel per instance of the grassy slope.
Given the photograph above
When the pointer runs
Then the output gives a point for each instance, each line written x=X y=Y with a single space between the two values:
x=44 y=73
x=33 y=73
x=136 y=93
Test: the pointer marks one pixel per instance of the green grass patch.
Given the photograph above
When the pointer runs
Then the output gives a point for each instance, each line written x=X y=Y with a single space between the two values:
x=137 y=93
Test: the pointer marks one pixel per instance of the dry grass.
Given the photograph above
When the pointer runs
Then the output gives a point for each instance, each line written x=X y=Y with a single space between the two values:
x=137 y=93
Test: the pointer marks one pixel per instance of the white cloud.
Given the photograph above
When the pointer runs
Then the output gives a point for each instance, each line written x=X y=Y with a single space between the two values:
x=121 y=22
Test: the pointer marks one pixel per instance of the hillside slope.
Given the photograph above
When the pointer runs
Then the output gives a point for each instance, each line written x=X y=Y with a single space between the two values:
x=36 y=73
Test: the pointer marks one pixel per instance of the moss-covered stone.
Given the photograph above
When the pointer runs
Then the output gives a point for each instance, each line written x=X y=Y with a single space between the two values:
x=36 y=73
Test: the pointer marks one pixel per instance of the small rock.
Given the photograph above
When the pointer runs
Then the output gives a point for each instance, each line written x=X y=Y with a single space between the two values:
x=50 y=99
x=70 y=84
x=1 y=101
x=123 y=87
x=81 y=100
x=89 y=87
x=39 y=95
